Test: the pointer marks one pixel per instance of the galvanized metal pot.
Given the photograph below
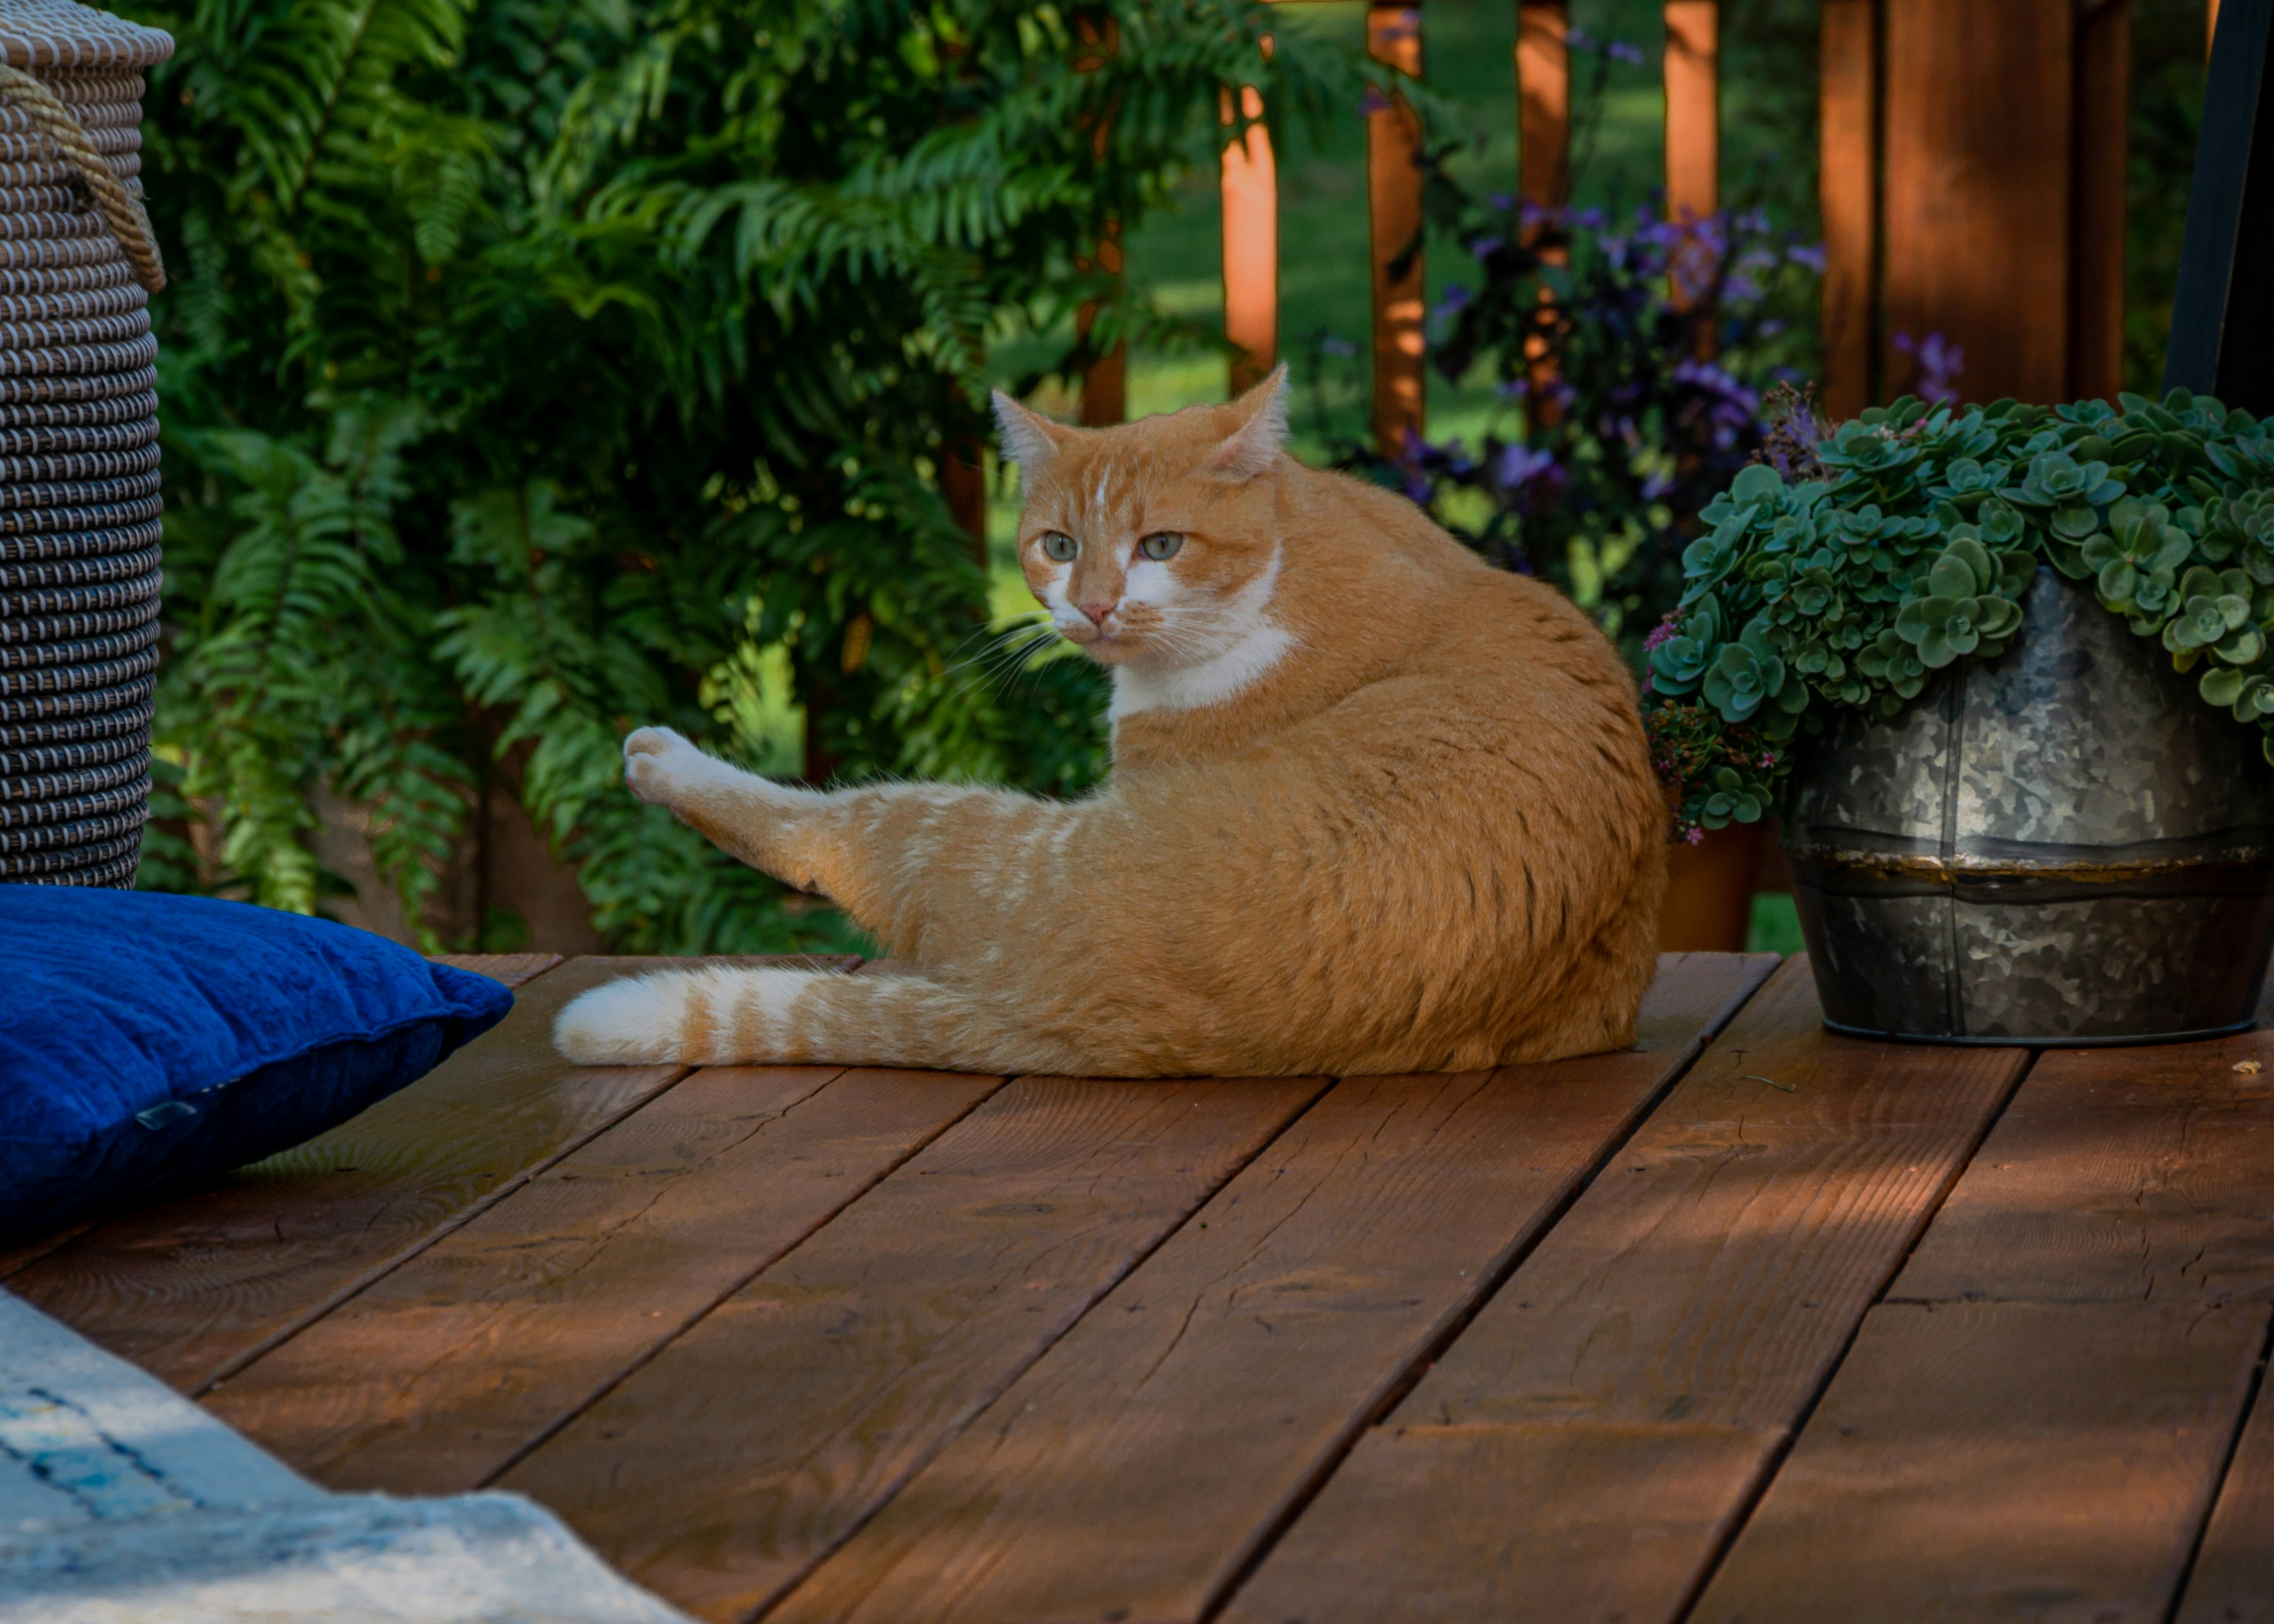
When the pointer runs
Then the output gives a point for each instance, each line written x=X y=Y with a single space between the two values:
x=2061 y=845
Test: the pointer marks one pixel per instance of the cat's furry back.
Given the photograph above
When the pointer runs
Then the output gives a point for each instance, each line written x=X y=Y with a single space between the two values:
x=1375 y=807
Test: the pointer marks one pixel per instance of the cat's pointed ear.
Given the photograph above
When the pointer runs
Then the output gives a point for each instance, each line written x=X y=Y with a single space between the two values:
x=1254 y=446
x=1030 y=439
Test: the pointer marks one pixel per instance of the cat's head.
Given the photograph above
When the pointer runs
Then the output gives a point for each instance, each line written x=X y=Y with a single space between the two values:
x=1155 y=545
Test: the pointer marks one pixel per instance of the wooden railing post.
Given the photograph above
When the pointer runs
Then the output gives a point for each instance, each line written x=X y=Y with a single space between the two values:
x=1393 y=176
x=1848 y=190
x=963 y=486
x=1543 y=102
x=2102 y=107
x=1104 y=386
x=1693 y=108
x=1251 y=244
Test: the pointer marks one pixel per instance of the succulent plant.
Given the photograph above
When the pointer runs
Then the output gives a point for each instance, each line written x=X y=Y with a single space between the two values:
x=1916 y=548
x=1744 y=675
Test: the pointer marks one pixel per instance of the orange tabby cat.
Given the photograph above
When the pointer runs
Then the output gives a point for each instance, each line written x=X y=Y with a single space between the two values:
x=1375 y=806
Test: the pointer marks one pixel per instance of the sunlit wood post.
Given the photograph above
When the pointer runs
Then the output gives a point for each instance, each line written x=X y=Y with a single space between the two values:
x=1104 y=387
x=1543 y=159
x=1543 y=102
x=2003 y=207
x=1973 y=175
x=2210 y=25
x=1393 y=187
x=1251 y=243
x=1693 y=108
x=1847 y=183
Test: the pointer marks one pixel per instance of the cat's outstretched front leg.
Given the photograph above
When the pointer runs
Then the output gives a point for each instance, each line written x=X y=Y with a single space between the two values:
x=747 y=817
x=870 y=849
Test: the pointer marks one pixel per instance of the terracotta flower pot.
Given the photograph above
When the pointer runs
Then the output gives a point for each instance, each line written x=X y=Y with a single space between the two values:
x=1709 y=893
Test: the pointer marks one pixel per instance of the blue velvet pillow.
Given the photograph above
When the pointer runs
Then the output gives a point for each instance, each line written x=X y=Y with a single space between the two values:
x=147 y=1039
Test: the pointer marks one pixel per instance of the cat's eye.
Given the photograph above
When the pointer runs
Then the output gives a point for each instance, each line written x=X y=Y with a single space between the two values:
x=1058 y=546
x=1160 y=545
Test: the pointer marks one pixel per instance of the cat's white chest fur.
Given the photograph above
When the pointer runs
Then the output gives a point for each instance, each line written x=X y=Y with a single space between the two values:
x=1246 y=642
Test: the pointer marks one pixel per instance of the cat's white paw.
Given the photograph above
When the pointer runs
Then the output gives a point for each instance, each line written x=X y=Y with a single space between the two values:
x=640 y=1020
x=660 y=765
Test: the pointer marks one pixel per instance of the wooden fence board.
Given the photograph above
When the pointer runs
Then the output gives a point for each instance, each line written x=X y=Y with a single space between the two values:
x=721 y=1473
x=488 y=1340
x=1662 y=1338
x=2000 y=1462
x=192 y=1287
x=1133 y=1471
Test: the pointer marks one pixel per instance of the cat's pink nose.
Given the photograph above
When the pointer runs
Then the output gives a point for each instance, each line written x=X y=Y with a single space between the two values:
x=1097 y=613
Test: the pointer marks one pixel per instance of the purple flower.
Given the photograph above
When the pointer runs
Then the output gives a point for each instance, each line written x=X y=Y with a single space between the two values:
x=1663 y=632
x=1939 y=363
x=1337 y=347
x=1455 y=300
x=1519 y=465
x=1624 y=50
x=1810 y=255
x=1373 y=101
x=1486 y=247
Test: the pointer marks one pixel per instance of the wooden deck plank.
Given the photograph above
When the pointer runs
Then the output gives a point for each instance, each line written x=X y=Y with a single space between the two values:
x=14 y=1259
x=2118 y=1175
x=193 y=1286
x=1583 y=1448
x=1998 y=1461
x=721 y=1473
x=490 y=1338
x=2060 y=1368
x=513 y=969
x=1133 y=1471
x=2234 y=1578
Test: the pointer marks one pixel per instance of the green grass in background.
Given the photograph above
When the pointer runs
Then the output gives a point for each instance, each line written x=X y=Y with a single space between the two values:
x=1775 y=927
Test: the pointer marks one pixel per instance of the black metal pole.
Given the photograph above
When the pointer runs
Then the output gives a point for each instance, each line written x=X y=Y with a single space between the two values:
x=2223 y=315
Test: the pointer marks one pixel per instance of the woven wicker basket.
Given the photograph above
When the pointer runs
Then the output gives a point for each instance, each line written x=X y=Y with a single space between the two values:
x=79 y=446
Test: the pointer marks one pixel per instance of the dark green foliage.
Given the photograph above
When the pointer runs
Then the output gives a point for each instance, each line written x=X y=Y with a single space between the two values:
x=2167 y=49
x=1908 y=543
x=542 y=368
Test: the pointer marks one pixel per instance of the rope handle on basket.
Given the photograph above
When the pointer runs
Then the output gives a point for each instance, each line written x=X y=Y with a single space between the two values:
x=122 y=211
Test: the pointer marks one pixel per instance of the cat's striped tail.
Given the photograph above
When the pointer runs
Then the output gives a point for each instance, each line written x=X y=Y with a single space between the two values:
x=727 y=1016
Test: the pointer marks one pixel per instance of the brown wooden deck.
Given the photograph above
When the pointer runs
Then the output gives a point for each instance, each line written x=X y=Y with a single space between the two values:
x=1751 y=1322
